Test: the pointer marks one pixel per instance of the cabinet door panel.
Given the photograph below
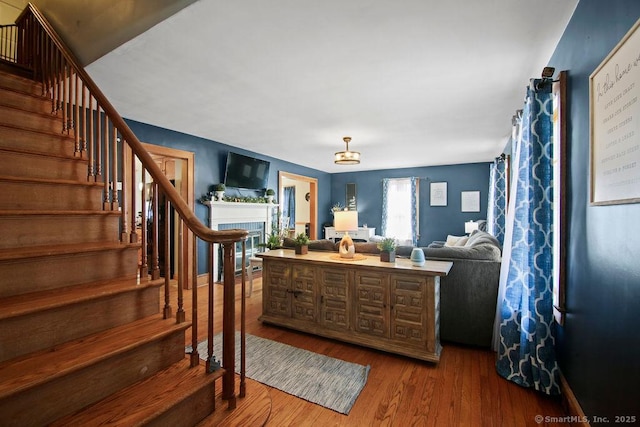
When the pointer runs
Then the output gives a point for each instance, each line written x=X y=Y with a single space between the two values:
x=276 y=285
x=334 y=291
x=371 y=305
x=408 y=310
x=303 y=282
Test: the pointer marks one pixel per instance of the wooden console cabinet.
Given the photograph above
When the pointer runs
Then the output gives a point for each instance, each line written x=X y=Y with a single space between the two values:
x=387 y=306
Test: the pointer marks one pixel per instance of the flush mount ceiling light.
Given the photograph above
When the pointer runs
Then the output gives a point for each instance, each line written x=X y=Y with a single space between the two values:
x=347 y=157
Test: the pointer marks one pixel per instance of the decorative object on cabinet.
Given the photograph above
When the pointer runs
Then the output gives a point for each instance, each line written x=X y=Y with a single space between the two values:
x=438 y=194
x=345 y=221
x=417 y=257
x=387 y=248
x=302 y=244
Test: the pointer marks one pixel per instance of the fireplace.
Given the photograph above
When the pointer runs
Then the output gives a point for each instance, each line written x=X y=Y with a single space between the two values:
x=255 y=238
x=254 y=217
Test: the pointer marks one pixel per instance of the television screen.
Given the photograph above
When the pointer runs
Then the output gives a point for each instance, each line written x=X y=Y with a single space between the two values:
x=246 y=172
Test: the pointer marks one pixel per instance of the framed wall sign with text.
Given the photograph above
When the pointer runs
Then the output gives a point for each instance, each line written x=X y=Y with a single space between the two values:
x=614 y=109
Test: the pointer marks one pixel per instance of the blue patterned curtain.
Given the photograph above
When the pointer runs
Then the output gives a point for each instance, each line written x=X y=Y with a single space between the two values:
x=497 y=206
x=385 y=212
x=526 y=342
x=289 y=206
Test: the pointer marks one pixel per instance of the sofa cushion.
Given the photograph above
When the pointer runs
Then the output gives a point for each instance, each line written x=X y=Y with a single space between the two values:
x=366 y=247
x=314 y=245
x=482 y=237
x=480 y=252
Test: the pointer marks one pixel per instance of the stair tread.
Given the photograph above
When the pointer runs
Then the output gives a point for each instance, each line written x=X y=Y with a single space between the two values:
x=20 y=305
x=43 y=366
x=49 y=250
x=27 y=152
x=174 y=384
x=22 y=212
x=51 y=181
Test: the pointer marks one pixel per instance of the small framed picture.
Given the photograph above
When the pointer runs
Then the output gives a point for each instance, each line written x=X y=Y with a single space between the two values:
x=438 y=194
x=470 y=201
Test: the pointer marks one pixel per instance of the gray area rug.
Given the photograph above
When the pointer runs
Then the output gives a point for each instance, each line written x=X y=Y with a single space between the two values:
x=323 y=380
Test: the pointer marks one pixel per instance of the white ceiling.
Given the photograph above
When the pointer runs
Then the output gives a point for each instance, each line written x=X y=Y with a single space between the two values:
x=413 y=82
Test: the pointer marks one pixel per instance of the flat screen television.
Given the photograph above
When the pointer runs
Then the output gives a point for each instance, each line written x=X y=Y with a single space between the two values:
x=246 y=172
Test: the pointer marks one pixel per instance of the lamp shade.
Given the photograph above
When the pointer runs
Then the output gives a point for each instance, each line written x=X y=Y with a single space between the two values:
x=345 y=220
x=470 y=227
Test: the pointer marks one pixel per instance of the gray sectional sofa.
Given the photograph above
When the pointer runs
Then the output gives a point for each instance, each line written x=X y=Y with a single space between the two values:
x=467 y=295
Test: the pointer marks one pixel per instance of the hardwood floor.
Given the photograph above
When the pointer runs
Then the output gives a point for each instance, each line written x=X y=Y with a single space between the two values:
x=463 y=389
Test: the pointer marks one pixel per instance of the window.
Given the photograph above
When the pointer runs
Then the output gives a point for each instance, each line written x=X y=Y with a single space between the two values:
x=400 y=209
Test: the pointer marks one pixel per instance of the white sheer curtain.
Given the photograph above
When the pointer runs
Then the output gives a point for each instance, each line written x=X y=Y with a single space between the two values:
x=399 y=210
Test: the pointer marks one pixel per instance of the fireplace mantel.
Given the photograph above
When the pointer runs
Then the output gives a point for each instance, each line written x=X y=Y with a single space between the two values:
x=234 y=212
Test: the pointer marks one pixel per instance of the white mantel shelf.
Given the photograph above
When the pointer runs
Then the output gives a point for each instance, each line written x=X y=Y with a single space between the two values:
x=234 y=212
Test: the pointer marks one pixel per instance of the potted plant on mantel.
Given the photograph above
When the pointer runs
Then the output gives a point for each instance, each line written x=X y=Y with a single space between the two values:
x=219 y=191
x=302 y=244
x=387 y=248
x=270 y=193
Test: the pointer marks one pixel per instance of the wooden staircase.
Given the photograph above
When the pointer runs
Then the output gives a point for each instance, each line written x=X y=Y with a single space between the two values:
x=82 y=340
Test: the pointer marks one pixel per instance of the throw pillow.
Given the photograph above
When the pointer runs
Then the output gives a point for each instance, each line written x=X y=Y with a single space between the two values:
x=462 y=241
x=452 y=240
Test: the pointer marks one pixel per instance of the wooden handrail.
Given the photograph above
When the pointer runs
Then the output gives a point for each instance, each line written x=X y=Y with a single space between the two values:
x=192 y=221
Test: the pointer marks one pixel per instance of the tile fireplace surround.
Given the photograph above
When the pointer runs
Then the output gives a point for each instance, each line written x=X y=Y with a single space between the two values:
x=221 y=213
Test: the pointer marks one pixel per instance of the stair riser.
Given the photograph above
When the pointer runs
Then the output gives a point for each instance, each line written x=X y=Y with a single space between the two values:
x=39 y=230
x=19 y=83
x=39 y=122
x=189 y=412
x=72 y=392
x=37 y=331
x=19 y=277
x=25 y=165
x=36 y=104
x=43 y=196
x=36 y=142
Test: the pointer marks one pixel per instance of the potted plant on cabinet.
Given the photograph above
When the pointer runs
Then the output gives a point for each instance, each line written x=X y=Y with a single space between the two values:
x=302 y=244
x=387 y=248
x=270 y=193
x=219 y=191
x=274 y=241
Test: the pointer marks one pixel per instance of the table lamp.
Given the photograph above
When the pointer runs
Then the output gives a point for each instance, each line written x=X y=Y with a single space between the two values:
x=470 y=227
x=345 y=221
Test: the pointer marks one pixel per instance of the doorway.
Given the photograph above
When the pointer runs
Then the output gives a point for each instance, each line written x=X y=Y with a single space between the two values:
x=302 y=197
x=178 y=167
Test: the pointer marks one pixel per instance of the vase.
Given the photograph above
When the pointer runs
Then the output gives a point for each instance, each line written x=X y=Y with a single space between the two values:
x=388 y=256
x=302 y=249
x=417 y=257
x=220 y=196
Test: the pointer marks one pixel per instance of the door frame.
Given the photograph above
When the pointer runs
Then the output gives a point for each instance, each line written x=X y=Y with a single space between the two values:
x=313 y=198
x=187 y=191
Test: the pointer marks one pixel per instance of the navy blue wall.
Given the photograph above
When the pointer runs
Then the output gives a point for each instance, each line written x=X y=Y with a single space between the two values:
x=210 y=160
x=599 y=346
x=435 y=221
